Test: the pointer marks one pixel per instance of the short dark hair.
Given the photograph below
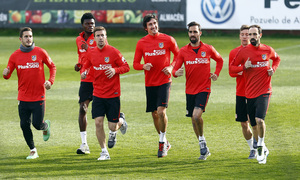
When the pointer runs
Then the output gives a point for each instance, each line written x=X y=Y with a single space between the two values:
x=24 y=29
x=87 y=16
x=147 y=18
x=193 y=23
x=99 y=28
x=243 y=27
x=258 y=27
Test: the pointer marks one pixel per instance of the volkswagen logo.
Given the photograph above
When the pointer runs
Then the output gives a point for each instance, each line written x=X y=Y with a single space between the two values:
x=217 y=11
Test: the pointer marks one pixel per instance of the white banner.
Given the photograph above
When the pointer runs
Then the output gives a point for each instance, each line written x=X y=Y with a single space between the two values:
x=231 y=14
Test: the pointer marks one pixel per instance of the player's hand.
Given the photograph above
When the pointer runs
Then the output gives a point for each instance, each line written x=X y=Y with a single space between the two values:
x=179 y=72
x=213 y=76
x=147 y=66
x=77 y=67
x=6 y=71
x=110 y=73
x=270 y=72
x=168 y=70
x=83 y=75
x=47 y=85
x=240 y=73
x=248 y=63
x=84 y=45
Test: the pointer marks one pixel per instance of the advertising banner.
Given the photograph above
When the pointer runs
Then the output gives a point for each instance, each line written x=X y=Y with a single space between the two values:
x=110 y=13
x=231 y=14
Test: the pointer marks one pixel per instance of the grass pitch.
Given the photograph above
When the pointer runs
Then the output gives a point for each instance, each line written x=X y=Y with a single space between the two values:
x=134 y=156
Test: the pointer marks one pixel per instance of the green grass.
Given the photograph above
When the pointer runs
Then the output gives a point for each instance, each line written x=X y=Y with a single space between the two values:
x=134 y=156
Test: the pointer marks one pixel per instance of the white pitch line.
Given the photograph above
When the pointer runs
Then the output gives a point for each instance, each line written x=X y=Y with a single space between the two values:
x=290 y=47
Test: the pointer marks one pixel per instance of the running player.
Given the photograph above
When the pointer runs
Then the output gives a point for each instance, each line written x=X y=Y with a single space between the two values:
x=155 y=49
x=254 y=61
x=108 y=63
x=29 y=62
x=196 y=58
x=241 y=106
x=85 y=42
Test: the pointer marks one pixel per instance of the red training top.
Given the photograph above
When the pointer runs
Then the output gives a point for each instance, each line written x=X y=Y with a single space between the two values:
x=100 y=60
x=155 y=50
x=82 y=53
x=30 y=71
x=197 y=67
x=257 y=80
x=240 y=80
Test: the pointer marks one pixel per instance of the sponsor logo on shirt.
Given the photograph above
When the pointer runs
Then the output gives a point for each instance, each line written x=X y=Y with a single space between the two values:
x=156 y=53
x=33 y=58
x=33 y=65
x=102 y=67
x=260 y=64
x=82 y=50
x=198 y=61
x=106 y=59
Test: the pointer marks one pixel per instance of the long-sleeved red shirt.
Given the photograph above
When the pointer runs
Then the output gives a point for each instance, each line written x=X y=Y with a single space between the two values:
x=197 y=67
x=240 y=80
x=100 y=60
x=257 y=80
x=155 y=50
x=82 y=53
x=30 y=71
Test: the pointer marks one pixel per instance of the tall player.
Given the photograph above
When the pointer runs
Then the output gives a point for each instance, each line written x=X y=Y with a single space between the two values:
x=241 y=106
x=254 y=61
x=196 y=58
x=29 y=62
x=155 y=48
x=108 y=63
x=85 y=42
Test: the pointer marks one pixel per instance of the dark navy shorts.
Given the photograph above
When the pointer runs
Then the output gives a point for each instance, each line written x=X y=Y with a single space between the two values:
x=196 y=100
x=258 y=107
x=157 y=96
x=106 y=106
x=85 y=91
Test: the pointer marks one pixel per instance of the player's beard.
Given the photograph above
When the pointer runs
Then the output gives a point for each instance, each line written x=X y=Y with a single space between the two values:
x=253 y=41
x=194 y=41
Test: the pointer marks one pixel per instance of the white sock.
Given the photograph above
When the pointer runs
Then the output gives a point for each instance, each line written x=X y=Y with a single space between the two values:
x=260 y=141
x=104 y=150
x=34 y=149
x=250 y=143
x=83 y=137
x=114 y=132
x=162 y=137
x=201 y=138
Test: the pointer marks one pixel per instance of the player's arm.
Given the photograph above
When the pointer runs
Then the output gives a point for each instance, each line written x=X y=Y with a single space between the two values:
x=237 y=65
x=85 y=69
x=219 y=63
x=276 y=61
x=175 y=50
x=9 y=68
x=137 y=59
x=178 y=69
x=52 y=70
x=122 y=66
x=231 y=57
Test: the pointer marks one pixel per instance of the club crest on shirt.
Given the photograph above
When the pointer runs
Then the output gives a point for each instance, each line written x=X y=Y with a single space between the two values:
x=33 y=58
x=106 y=59
x=264 y=57
x=203 y=53
x=91 y=41
x=161 y=45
